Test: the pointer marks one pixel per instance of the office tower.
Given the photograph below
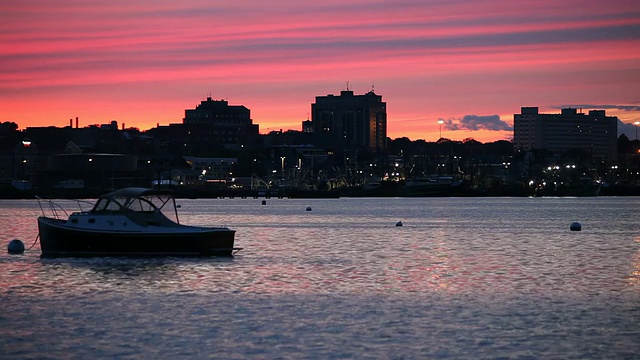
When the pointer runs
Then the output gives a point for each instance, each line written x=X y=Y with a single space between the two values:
x=356 y=120
x=595 y=132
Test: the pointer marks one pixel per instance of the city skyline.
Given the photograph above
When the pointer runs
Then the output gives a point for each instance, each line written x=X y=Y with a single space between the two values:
x=469 y=64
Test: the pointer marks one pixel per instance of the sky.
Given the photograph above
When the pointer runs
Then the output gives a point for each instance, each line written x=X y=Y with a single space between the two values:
x=471 y=63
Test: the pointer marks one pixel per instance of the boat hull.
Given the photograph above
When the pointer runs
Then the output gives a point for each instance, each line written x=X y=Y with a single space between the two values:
x=60 y=240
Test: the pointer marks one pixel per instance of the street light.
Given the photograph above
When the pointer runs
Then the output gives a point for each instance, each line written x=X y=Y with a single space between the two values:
x=636 y=124
x=282 y=161
x=440 y=122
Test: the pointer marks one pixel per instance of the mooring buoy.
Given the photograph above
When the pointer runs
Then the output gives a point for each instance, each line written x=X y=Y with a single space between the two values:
x=308 y=208
x=575 y=226
x=399 y=223
x=15 y=247
x=264 y=202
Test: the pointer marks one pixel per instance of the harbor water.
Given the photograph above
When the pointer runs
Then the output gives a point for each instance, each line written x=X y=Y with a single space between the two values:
x=463 y=278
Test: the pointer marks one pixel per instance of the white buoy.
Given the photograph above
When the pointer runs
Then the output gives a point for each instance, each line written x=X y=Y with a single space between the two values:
x=399 y=223
x=308 y=208
x=15 y=247
x=575 y=226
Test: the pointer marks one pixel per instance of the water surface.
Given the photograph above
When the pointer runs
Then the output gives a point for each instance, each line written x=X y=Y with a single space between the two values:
x=462 y=278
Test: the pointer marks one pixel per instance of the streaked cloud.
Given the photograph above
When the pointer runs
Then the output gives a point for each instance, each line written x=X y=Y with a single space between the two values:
x=142 y=61
x=625 y=108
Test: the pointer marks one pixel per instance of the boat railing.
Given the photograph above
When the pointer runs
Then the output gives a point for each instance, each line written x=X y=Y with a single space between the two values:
x=56 y=210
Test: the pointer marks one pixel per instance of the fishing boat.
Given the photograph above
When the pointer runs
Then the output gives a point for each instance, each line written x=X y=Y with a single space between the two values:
x=128 y=222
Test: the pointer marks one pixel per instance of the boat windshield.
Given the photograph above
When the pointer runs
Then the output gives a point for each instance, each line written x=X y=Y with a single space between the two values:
x=147 y=203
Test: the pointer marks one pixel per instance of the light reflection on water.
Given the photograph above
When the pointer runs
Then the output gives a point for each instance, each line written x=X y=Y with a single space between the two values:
x=353 y=246
x=455 y=260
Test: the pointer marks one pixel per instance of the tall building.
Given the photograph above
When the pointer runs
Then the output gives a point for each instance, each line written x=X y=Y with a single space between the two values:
x=218 y=112
x=217 y=122
x=357 y=120
x=595 y=132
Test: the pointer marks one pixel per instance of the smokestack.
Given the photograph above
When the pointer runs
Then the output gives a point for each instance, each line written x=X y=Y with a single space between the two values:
x=76 y=122
x=122 y=126
x=71 y=123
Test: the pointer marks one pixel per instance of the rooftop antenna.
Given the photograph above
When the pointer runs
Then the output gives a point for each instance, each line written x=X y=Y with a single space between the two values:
x=347 y=86
x=372 y=88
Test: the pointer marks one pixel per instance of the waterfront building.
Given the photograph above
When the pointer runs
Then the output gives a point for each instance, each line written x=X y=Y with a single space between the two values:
x=89 y=171
x=218 y=112
x=212 y=169
x=20 y=162
x=594 y=133
x=357 y=120
x=215 y=121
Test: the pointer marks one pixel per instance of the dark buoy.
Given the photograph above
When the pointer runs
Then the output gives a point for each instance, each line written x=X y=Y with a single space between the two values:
x=308 y=208
x=264 y=202
x=15 y=247
x=575 y=226
x=399 y=223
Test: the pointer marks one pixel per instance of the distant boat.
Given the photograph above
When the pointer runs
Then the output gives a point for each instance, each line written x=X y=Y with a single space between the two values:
x=373 y=188
x=429 y=186
x=129 y=222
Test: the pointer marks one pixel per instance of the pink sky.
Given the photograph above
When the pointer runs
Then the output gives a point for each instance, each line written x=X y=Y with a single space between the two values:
x=472 y=63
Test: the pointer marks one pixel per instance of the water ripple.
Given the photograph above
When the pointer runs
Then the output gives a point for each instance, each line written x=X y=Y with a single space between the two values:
x=463 y=278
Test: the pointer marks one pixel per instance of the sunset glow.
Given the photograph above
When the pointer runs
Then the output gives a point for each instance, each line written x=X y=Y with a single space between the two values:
x=143 y=63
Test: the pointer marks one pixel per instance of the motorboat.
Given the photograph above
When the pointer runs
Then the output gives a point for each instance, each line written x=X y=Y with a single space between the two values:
x=128 y=222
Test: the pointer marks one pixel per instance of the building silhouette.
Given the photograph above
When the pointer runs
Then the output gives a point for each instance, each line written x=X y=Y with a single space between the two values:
x=343 y=144
x=356 y=120
x=218 y=112
x=212 y=124
x=594 y=133
x=226 y=124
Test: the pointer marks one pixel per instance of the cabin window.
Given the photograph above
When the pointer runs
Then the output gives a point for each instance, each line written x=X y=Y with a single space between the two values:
x=113 y=205
x=107 y=205
x=141 y=204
